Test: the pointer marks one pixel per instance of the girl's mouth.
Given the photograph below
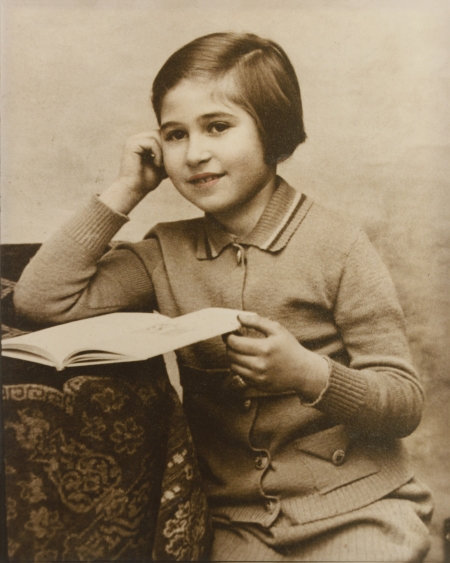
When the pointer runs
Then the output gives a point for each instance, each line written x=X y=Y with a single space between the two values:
x=205 y=179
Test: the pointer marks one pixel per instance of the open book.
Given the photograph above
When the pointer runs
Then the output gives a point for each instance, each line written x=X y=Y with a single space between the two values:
x=118 y=337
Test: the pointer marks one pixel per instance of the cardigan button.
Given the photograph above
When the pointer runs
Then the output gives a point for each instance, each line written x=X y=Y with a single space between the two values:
x=338 y=457
x=261 y=460
x=237 y=383
x=247 y=404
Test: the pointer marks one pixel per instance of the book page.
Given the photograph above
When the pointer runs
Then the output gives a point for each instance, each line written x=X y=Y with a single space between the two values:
x=61 y=341
x=135 y=336
x=170 y=334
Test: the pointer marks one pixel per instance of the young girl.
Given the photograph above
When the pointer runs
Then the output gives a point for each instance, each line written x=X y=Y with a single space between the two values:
x=297 y=419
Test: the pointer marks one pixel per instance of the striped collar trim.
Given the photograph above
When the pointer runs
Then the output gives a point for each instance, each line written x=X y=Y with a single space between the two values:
x=282 y=216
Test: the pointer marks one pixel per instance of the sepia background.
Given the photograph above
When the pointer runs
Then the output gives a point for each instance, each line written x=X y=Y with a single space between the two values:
x=375 y=80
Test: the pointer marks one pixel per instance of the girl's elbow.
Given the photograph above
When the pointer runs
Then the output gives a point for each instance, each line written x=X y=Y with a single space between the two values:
x=35 y=309
x=25 y=305
x=398 y=418
x=407 y=421
x=412 y=422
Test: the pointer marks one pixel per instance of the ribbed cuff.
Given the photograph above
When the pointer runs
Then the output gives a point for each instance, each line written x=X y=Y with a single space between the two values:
x=345 y=393
x=94 y=225
x=324 y=390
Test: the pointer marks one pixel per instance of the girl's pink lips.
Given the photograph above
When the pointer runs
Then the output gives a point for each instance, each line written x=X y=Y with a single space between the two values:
x=205 y=179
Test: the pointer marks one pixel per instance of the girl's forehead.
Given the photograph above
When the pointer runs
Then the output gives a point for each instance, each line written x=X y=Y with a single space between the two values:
x=199 y=95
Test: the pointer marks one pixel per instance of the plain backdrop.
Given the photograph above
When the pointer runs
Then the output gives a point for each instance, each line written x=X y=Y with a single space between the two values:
x=375 y=80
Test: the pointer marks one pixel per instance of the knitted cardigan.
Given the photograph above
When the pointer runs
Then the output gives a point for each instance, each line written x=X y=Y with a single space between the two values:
x=303 y=266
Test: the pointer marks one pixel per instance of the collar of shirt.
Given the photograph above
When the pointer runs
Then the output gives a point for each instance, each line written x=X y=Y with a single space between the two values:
x=283 y=214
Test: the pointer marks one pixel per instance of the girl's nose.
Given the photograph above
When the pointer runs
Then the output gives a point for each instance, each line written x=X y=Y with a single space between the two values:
x=197 y=150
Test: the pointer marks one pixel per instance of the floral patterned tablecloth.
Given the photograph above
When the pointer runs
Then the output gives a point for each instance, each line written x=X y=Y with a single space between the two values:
x=99 y=463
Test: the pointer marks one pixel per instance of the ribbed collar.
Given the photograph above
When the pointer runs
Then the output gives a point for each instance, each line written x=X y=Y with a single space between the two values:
x=281 y=217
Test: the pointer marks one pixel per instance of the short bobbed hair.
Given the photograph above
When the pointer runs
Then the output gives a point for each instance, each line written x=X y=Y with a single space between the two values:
x=266 y=85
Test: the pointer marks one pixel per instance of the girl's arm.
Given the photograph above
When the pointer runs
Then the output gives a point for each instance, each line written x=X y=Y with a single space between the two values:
x=71 y=277
x=378 y=392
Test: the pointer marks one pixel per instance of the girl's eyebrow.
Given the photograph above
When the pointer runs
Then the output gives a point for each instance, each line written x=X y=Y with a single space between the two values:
x=217 y=115
x=204 y=117
x=168 y=125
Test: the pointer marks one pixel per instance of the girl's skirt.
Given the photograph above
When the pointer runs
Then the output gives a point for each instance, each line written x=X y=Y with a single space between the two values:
x=391 y=529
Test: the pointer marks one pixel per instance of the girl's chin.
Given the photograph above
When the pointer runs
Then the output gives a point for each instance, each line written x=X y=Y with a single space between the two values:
x=213 y=208
x=220 y=212
x=206 y=200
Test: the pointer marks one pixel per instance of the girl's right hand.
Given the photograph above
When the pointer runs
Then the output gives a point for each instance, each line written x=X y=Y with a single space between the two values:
x=142 y=166
x=141 y=171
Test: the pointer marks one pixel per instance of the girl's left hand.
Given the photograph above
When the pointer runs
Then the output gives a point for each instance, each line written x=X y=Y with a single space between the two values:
x=277 y=362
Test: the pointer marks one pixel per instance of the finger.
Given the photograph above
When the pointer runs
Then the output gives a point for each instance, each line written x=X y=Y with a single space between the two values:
x=225 y=337
x=264 y=325
x=246 y=374
x=157 y=148
x=152 y=151
x=249 y=362
x=246 y=345
x=148 y=144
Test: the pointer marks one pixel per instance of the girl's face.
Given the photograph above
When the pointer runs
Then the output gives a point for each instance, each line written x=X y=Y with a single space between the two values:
x=212 y=150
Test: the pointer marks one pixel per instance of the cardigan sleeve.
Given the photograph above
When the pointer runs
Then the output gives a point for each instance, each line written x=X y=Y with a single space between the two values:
x=379 y=391
x=74 y=276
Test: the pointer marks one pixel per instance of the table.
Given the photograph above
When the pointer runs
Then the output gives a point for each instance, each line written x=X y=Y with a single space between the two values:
x=99 y=462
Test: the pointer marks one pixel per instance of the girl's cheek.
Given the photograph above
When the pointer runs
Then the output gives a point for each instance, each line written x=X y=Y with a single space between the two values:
x=172 y=157
x=174 y=174
x=165 y=152
x=168 y=161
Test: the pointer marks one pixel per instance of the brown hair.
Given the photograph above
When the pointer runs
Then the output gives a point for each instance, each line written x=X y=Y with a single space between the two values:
x=267 y=86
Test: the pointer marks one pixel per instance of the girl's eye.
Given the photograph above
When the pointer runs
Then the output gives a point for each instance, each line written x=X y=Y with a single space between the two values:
x=175 y=135
x=218 y=127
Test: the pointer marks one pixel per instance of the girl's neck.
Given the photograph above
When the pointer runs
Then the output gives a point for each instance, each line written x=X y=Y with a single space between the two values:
x=241 y=221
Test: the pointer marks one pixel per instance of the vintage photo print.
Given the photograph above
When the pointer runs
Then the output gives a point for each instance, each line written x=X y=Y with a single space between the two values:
x=288 y=160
